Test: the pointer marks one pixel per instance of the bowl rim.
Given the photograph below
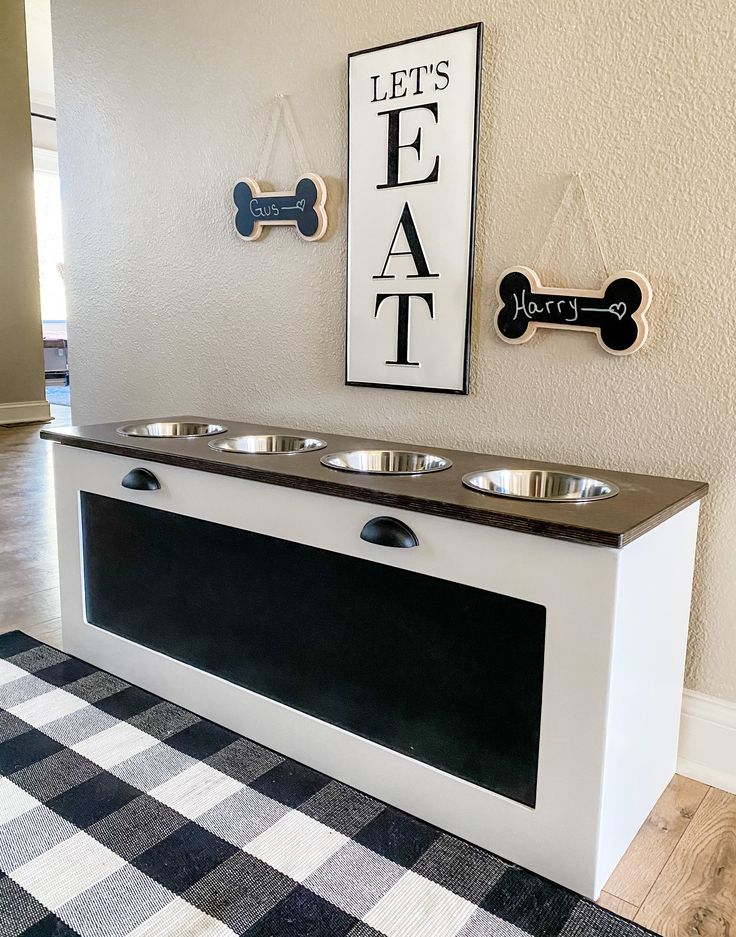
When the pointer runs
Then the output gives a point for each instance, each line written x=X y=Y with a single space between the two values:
x=445 y=462
x=220 y=444
x=125 y=429
x=612 y=488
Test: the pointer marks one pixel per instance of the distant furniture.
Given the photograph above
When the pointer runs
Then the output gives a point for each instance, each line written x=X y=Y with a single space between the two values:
x=55 y=351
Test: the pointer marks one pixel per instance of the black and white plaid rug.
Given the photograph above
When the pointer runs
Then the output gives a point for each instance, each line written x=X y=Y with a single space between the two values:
x=122 y=814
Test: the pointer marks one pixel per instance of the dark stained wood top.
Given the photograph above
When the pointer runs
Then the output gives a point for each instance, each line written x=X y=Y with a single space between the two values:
x=644 y=501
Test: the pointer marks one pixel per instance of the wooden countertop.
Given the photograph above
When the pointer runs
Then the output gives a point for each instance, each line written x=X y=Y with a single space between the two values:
x=644 y=501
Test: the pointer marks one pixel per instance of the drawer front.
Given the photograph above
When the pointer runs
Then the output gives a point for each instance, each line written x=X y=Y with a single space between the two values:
x=443 y=672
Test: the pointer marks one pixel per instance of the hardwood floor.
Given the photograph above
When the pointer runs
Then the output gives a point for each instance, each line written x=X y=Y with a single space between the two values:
x=647 y=855
x=678 y=877
x=696 y=891
x=29 y=584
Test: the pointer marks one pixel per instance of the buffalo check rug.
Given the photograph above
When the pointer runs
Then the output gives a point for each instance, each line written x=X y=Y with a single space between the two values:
x=122 y=814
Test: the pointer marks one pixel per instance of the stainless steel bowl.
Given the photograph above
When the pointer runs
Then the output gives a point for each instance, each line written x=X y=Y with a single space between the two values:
x=268 y=444
x=161 y=430
x=539 y=485
x=386 y=462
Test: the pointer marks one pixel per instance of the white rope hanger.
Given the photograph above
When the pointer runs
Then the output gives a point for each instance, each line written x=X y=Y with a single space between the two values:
x=576 y=181
x=281 y=113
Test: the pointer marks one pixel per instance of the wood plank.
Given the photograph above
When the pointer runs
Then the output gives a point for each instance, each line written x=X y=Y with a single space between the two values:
x=696 y=892
x=653 y=845
x=47 y=631
x=29 y=592
x=36 y=579
x=31 y=609
x=644 y=501
x=617 y=905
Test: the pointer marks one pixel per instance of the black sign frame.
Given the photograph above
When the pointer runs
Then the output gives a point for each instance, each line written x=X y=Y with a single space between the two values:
x=465 y=387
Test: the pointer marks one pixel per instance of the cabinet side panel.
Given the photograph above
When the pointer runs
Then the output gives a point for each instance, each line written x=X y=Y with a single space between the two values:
x=647 y=672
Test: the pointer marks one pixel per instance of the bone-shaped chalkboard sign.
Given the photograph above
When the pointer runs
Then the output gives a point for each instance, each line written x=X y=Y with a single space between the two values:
x=616 y=313
x=304 y=208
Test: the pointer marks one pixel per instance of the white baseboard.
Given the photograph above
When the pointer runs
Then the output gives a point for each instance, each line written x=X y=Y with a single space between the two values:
x=707 y=749
x=25 y=411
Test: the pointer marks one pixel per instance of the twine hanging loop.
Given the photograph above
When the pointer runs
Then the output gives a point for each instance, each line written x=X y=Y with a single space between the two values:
x=282 y=113
x=576 y=182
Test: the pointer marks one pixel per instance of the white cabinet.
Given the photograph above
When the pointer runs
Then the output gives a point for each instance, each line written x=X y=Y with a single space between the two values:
x=580 y=649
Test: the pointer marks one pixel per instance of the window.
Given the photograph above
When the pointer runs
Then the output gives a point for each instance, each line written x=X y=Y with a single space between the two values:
x=48 y=232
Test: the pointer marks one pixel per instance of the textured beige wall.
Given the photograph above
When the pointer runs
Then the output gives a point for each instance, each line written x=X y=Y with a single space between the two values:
x=21 y=348
x=163 y=105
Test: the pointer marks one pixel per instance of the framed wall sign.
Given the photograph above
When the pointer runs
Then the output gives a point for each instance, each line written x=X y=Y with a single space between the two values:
x=412 y=162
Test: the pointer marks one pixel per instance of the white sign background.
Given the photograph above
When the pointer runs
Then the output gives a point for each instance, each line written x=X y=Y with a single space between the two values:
x=443 y=211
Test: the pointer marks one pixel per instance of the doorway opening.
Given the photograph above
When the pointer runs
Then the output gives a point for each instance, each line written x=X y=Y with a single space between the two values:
x=48 y=201
x=51 y=275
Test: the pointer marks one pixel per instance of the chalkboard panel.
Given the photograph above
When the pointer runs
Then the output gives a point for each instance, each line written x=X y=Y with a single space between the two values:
x=615 y=313
x=448 y=674
x=304 y=208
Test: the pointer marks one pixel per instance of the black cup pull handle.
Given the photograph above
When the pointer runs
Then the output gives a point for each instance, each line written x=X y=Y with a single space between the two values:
x=389 y=532
x=140 y=479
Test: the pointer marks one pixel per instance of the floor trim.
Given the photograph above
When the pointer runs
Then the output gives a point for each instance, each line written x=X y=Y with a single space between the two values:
x=25 y=411
x=708 y=740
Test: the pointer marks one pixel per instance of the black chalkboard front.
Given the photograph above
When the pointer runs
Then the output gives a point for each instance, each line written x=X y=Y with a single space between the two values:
x=616 y=313
x=448 y=674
